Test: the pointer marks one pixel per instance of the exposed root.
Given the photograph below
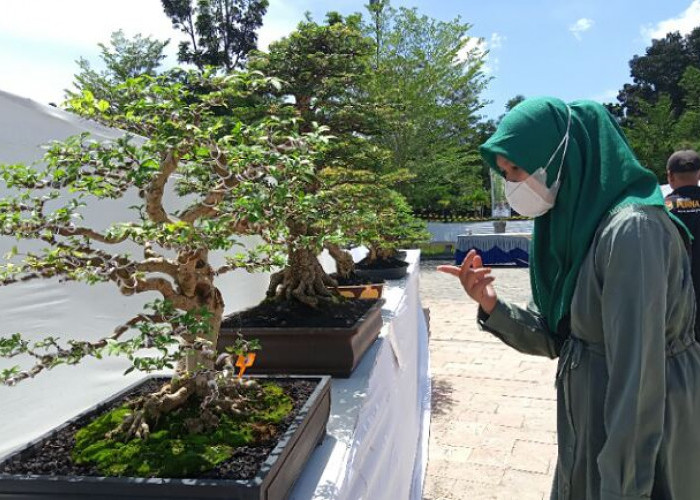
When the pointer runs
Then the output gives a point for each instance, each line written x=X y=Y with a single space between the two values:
x=303 y=280
x=219 y=393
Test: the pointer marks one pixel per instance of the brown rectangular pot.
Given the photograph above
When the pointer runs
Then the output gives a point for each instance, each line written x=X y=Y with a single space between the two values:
x=273 y=481
x=311 y=351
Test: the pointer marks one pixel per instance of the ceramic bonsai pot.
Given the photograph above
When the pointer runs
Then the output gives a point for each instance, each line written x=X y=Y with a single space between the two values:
x=334 y=351
x=273 y=481
x=388 y=273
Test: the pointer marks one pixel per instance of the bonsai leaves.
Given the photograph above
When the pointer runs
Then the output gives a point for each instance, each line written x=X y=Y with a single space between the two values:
x=372 y=213
x=225 y=176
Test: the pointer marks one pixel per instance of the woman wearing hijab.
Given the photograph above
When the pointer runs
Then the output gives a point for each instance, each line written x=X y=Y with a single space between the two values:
x=612 y=298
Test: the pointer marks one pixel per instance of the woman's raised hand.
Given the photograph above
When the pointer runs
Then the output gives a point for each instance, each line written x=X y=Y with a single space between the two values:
x=476 y=280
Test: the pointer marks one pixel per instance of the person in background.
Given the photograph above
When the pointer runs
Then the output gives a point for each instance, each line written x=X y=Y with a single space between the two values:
x=612 y=299
x=683 y=174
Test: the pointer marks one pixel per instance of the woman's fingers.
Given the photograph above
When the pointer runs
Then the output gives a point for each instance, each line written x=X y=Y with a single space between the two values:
x=478 y=288
x=475 y=279
x=469 y=259
x=453 y=270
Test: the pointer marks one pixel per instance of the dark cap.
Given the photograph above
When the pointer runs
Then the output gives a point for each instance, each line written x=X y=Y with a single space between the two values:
x=683 y=161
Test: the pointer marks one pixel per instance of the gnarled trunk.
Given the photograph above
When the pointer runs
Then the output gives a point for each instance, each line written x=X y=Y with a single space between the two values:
x=303 y=279
x=344 y=263
x=196 y=281
x=218 y=394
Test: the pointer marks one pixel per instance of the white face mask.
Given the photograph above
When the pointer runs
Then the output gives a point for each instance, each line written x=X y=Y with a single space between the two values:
x=532 y=197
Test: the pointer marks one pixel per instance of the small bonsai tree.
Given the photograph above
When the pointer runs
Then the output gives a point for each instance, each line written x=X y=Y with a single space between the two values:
x=394 y=228
x=371 y=213
x=225 y=174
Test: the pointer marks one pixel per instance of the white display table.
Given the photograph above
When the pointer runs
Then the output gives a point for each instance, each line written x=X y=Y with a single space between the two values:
x=377 y=442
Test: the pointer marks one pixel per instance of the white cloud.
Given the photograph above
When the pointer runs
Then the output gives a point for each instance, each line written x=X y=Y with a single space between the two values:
x=684 y=23
x=82 y=22
x=46 y=37
x=479 y=47
x=581 y=26
x=496 y=41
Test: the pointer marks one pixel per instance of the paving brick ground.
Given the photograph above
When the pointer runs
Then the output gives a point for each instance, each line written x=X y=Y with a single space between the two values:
x=492 y=432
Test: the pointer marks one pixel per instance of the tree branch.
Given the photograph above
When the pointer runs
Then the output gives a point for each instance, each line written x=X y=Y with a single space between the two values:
x=88 y=233
x=207 y=207
x=78 y=350
x=154 y=192
x=157 y=265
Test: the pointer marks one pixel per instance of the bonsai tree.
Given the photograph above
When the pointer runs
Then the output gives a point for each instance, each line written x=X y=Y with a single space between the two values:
x=304 y=225
x=394 y=227
x=225 y=173
x=372 y=214
x=326 y=69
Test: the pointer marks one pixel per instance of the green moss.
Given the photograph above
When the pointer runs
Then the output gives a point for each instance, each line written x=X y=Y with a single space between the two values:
x=170 y=451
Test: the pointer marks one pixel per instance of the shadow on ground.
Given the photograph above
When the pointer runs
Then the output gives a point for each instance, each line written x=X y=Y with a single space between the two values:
x=441 y=397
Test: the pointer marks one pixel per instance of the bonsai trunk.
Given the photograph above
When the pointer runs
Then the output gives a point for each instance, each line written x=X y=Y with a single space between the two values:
x=218 y=396
x=345 y=265
x=303 y=279
x=377 y=254
x=195 y=375
x=386 y=253
x=196 y=282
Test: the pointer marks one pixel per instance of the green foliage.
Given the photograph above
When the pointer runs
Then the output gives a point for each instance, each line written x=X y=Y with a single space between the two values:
x=372 y=213
x=221 y=32
x=659 y=71
x=123 y=59
x=660 y=111
x=426 y=81
x=172 y=451
x=652 y=134
x=656 y=131
x=325 y=69
x=232 y=178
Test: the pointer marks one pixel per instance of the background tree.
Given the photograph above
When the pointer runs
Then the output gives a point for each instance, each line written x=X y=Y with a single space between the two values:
x=123 y=58
x=221 y=32
x=659 y=71
x=652 y=134
x=427 y=79
x=688 y=125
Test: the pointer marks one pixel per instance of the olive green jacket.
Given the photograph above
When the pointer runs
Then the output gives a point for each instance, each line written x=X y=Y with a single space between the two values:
x=628 y=378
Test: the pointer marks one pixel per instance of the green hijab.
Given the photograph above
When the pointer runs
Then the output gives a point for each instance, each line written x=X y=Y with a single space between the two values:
x=599 y=175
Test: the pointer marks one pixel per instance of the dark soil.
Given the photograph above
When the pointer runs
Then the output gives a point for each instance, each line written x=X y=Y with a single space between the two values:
x=53 y=456
x=390 y=263
x=354 y=280
x=294 y=314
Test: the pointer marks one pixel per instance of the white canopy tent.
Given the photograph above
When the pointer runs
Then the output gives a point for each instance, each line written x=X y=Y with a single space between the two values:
x=75 y=310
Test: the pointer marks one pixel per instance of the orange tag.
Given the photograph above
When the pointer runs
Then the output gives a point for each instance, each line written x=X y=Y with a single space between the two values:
x=244 y=362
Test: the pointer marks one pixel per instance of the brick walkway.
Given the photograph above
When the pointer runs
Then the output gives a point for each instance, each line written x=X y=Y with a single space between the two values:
x=492 y=433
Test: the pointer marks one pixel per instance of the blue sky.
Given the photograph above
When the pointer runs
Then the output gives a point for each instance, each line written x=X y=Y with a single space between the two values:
x=566 y=48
